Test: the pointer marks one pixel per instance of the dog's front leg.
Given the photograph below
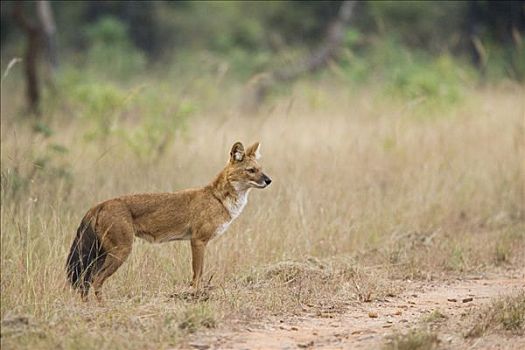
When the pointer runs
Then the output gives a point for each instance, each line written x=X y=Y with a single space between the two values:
x=197 y=253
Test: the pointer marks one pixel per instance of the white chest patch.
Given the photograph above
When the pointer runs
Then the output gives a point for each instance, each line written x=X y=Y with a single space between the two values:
x=221 y=229
x=235 y=208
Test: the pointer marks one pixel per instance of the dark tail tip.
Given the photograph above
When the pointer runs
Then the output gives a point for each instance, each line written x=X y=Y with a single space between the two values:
x=85 y=257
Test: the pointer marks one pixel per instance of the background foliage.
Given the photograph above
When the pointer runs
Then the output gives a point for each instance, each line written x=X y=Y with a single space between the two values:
x=401 y=159
x=253 y=35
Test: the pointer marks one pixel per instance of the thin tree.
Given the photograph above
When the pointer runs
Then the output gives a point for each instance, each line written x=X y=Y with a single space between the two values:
x=260 y=84
x=38 y=32
x=32 y=31
x=47 y=21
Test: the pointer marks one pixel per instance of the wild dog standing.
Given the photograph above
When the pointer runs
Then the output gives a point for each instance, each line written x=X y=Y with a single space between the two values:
x=105 y=235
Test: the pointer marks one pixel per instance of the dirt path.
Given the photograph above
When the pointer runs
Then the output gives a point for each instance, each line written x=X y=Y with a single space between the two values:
x=365 y=325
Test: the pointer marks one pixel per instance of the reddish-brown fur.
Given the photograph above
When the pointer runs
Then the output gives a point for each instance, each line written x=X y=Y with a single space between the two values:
x=194 y=214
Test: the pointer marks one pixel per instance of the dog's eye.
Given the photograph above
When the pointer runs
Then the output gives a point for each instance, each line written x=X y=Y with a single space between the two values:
x=251 y=170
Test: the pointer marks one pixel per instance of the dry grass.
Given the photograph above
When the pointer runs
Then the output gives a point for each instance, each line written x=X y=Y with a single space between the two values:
x=369 y=190
x=413 y=340
x=504 y=314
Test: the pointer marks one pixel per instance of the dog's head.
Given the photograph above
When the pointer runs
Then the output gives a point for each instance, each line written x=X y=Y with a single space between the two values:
x=244 y=171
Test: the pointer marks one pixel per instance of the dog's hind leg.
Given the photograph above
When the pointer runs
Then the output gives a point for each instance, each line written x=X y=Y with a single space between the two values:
x=117 y=241
x=114 y=260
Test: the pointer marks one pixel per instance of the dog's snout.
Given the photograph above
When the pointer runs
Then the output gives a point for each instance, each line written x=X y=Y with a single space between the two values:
x=267 y=180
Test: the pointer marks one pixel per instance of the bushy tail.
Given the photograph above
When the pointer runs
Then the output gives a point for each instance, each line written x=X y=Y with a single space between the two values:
x=85 y=257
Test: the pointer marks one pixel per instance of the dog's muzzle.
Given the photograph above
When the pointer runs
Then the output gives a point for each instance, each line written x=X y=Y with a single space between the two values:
x=262 y=183
x=266 y=180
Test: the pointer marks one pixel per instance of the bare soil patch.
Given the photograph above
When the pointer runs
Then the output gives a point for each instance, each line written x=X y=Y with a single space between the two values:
x=443 y=306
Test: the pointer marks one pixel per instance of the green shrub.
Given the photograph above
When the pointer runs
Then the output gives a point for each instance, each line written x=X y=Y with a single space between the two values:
x=146 y=117
x=413 y=340
x=407 y=74
x=110 y=51
x=504 y=62
x=97 y=101
x=437 y=81
x=198 y=316
x=506 y=313
x=157 y=128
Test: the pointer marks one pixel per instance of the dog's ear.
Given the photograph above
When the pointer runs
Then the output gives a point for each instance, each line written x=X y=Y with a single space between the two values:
x=254 y=151
x=237 y=152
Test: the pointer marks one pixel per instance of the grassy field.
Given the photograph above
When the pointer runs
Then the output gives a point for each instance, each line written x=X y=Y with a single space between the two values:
x=367 y=191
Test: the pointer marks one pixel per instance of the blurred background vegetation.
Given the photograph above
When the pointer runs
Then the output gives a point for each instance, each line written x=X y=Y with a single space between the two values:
x=394 y=132
x=387 y=40
x=136 y=71
x=108 y=61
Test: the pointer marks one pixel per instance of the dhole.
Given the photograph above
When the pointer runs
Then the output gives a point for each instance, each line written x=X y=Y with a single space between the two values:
x=105 y=235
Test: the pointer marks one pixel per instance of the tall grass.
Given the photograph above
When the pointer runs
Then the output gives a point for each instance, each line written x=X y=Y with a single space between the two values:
x=368 y=181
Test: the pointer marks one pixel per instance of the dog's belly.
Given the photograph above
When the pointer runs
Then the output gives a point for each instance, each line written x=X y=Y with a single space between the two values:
x=172 y=236
x=185 y=236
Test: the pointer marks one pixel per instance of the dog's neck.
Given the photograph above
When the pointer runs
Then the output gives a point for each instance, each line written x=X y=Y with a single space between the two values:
x=232 y=197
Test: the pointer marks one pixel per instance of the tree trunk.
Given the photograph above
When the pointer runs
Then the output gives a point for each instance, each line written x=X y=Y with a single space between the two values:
x=47 y=21
x=30 y=58
x=258 y=87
